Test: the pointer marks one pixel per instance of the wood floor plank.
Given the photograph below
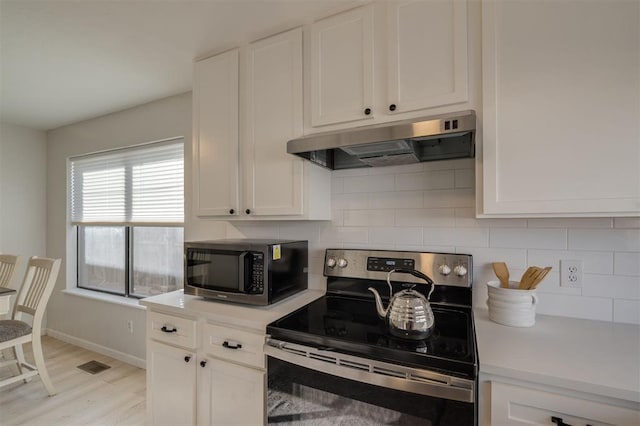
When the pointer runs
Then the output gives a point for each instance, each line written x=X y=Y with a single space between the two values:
x=116 y=396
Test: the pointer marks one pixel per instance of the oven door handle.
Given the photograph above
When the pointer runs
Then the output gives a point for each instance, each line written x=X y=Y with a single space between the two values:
x=373 y=372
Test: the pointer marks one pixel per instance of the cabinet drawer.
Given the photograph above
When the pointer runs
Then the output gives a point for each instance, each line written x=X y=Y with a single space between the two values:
x=234 y=345
x=515 y=405
x=170 y=329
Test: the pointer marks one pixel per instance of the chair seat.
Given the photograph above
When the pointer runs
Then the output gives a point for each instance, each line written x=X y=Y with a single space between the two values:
x=12 y=329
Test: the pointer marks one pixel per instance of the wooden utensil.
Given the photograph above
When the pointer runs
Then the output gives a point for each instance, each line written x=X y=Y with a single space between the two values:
x=539 y=278
x=502 y=272
x=528 y=277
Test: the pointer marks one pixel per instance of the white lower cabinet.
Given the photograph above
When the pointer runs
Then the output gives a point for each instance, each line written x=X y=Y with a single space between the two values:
x=518 y=405
x=219 y=381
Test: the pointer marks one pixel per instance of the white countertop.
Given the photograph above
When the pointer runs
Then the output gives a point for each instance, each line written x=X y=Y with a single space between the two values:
x=595 y=357
x=246 y=316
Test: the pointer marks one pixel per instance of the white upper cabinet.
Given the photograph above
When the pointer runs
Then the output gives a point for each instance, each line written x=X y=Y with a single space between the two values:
x=241 y=128
x=561 y=105
x=273 y=179
x=342 y=67
x=215 y=135
x=387 y=58
x=427 y=63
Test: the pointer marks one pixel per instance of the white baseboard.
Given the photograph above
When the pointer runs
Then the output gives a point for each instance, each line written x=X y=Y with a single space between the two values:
x=120 y=356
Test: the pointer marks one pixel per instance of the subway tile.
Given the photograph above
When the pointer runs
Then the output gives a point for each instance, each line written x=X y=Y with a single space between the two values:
x=369 y=217
x=528 y=238
x=464 y=178
x=253 y=230
x=593 y=262
x=465 y=237
x=390 y=170
x=627 y=222
x=604 y=239
x=484 y=257
x=464 y=197
x=626 y=311
x=441 y=179
x=363 y=171
x=425 y=218
x=613 y=286
x=378 y=183
x=392 y=235
x=332 y=235
x=466 y=218
x=594 y=308
x=337 y=185
x=301 y=231
x=626 y=264
x=349 y=201
x=337 y=217
x=551 y=284
x=426 y=248
x=397 y=200
x=588 y=223
x=459 y=163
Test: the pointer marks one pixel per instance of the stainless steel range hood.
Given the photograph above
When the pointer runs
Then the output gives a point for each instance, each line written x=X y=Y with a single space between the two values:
x=403 y=142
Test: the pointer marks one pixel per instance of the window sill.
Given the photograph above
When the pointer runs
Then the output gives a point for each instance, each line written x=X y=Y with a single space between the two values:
x=104 y=297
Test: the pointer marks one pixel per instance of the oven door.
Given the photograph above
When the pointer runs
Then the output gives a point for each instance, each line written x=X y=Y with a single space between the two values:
x=321 y=387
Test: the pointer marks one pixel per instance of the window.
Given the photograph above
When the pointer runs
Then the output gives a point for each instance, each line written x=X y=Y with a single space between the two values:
x=128 y=208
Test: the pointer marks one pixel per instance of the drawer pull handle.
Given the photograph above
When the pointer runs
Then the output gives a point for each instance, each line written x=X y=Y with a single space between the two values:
x=203 y=363
x=187 y=358
x=168 y=330
x=228 y=346
x=559 y=421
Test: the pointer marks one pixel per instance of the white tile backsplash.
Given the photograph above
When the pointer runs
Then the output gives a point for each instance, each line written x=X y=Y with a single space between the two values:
x=431 y=207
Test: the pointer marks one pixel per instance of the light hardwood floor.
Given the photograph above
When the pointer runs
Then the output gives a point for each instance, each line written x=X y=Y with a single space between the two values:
x=113 y=397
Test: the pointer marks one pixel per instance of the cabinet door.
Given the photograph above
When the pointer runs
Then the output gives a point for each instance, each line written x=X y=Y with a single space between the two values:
x=427 y=62
x=342 y=67
x=273 y=179
x=171 y=385
x=215 y=135
x=229 y=394
x=561 y=96
x=515 y=405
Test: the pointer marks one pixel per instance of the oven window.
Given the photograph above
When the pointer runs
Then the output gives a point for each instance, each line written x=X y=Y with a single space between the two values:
x=213 y=270
x=301 y=396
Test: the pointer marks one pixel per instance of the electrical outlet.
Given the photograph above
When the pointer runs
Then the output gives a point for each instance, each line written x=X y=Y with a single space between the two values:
x=130 y=326
x=571 y=273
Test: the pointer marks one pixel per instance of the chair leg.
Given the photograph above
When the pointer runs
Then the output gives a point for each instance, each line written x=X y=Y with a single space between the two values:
x=40 y=365
x=19 y=355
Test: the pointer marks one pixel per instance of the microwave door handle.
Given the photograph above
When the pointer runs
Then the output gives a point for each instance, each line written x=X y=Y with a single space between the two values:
x=241 y=265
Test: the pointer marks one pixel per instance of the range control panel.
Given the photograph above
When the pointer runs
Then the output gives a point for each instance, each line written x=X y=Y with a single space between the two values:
x=443 y=268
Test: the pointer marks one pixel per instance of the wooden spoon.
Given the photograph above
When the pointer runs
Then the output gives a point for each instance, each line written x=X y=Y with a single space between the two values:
x=502 y=272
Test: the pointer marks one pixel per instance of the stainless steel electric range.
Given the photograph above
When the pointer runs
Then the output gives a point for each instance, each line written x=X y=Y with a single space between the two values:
x=335 y=362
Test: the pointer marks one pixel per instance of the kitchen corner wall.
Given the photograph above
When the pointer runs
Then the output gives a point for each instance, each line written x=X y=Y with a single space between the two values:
x=430 y=206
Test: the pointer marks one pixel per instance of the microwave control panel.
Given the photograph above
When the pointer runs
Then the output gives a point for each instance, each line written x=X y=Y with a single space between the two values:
x=256 y=284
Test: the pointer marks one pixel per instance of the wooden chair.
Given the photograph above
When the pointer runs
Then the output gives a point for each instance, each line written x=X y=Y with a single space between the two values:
x=9 y=265
x=33 y=296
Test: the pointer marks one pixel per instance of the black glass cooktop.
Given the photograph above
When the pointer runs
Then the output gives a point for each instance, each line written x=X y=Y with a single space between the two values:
x=351 y=325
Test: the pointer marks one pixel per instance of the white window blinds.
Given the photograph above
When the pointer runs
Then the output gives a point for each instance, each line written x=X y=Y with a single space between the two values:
x=138 y=185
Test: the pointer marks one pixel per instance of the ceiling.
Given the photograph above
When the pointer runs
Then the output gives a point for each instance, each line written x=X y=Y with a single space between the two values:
x=64 y=61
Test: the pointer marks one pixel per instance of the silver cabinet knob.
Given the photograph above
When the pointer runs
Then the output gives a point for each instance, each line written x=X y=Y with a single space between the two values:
x=460 y=270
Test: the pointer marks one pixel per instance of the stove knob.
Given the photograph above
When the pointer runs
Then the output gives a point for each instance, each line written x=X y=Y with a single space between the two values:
x=460 y=270
x=331 y=262
x=444 y=269
x=342 y=263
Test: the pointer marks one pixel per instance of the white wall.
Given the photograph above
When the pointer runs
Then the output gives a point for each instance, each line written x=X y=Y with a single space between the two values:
x=430 y=207
x=98 y=324
x=23 y=197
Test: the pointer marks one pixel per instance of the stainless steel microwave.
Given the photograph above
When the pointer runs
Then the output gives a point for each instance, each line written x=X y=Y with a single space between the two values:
x=249 y=271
